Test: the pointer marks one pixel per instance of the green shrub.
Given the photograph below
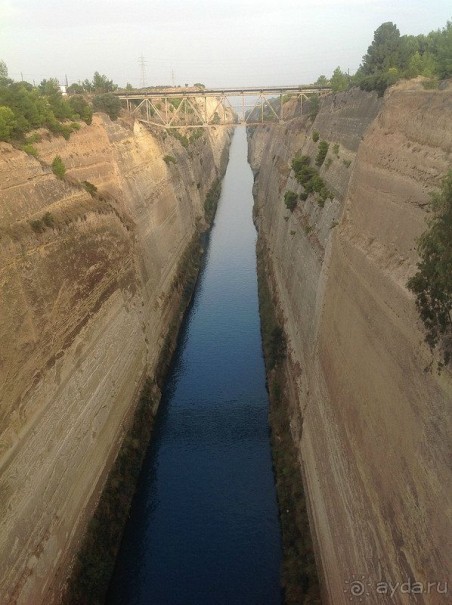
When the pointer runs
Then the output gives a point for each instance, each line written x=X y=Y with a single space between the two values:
x=328 y=163
x=169 y=159
x=58 y=167
x=66 y=130
x=321 y=155
x=182 y=138
x=315 y=136
x=211 y=201
x=92 y=189
x=299 y=161
x=298 y=572
x=305 y=175
x=48 y=220
x=430 y=84
x=30 y=149
x=336 y=149
x=432 y=284
x=290 y=199
x=81 y=108
x=58 y=128
x=312 y=182
x=108 y=103
x=314 y=106
x=37 y=225
x=278 y=345
x=184 y=141
x=175 y=102
x=315 y=184
x=33 y=138
x=196 y=134
x=8 y=123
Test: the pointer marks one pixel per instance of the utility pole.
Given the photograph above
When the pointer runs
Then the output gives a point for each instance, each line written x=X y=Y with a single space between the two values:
x=142 y=63
x=172 y=77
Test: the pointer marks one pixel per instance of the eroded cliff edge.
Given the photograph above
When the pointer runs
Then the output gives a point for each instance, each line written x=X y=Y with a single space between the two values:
x=87 y=294
x=368 y=417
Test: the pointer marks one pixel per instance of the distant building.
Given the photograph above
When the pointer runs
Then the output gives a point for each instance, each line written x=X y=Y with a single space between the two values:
x=63 y=90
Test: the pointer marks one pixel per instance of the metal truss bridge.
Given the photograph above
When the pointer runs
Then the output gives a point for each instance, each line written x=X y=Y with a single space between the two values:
x=207 y=107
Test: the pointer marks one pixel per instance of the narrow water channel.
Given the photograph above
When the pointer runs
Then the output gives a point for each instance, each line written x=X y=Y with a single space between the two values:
x=204 y=528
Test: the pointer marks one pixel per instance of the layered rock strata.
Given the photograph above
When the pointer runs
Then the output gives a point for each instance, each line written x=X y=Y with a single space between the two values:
x=369 y=413
x=86 y=295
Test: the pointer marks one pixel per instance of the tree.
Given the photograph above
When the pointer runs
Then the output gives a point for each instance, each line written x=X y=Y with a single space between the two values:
x=81 y=108
x=3 y=71
x=87 y=86
x=51 y=90
x=50 y=87
x=31 y=110
x=444 y=50
x=101 y=84
x=75 y=89
x=432 y=284
x=421 y=65
x=384 y=51
x=322 y=81
x=7 y=123
x=107 y=103
x=339 y=80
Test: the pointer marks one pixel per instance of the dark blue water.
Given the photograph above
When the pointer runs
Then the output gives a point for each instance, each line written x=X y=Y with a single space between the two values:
x=204 y=528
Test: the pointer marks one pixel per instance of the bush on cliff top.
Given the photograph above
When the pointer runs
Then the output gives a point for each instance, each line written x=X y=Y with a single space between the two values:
x=24 y=107
x=107 y=103
x=391 y=57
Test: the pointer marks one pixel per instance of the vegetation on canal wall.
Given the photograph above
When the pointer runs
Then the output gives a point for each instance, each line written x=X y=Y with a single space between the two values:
x=93 y=569
x=299 y=574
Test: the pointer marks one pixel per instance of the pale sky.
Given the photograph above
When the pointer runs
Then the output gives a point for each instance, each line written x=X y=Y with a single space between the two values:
x=216 y=42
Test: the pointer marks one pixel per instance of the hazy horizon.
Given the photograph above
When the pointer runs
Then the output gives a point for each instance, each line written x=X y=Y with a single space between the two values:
x=238 y=43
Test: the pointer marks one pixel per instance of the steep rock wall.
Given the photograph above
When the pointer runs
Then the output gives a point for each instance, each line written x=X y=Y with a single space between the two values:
x=86 y=295
x=369 y=421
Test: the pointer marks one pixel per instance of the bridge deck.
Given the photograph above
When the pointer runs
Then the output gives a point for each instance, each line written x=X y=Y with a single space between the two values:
x=213 y=92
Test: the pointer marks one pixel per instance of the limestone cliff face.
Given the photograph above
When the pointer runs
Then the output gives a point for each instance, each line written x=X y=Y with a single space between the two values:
x=369 y=419
x=86 y=294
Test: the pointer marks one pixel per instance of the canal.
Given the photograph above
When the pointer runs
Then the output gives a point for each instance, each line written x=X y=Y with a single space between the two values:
x=203 y=528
